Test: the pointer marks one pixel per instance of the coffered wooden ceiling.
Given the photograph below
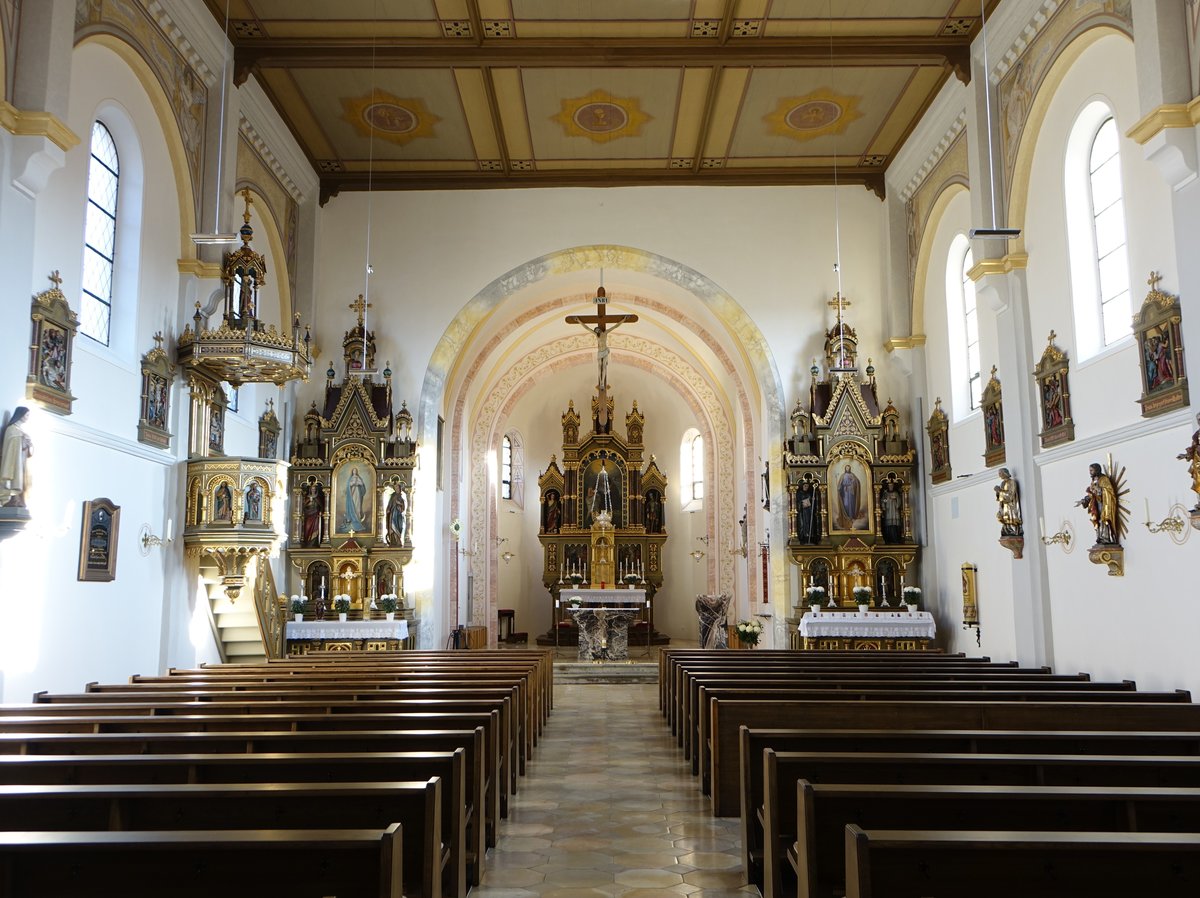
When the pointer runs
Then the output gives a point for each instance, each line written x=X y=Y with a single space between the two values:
x=428 y=94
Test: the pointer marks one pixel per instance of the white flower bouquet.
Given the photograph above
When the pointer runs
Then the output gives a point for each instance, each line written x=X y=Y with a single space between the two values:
x=749 y=631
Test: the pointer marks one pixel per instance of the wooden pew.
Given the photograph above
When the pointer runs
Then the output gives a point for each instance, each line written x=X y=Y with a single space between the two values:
x=823 y=812
x=252 y=741
x=727 y=716
x=771 y=822
x=201 y=864
x=416 y=806
x=462 y=831
x=910 y=864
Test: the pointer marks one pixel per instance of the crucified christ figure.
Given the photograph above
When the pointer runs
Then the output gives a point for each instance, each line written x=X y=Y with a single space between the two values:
x=604 y=324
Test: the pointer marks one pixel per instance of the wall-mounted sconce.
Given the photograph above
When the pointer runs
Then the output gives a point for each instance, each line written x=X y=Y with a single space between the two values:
x=1065 y=536
x=697 y=554
x=149 y=540
x=508 y=556
x=1174 y=525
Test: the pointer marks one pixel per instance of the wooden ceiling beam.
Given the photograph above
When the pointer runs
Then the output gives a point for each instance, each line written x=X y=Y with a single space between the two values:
x=870 y=178
x=847 y=52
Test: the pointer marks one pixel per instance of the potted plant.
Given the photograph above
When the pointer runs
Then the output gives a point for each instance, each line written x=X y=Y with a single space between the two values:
x=749 y=632
x=862 y=598
x=388 y=603
x=297 y=608
x=816 y=598
x=912 y=598
x=341 y=604
x=575 y=602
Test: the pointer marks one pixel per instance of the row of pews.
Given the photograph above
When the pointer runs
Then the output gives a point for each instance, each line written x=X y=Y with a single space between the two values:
x=348 y=775
x=904 y=774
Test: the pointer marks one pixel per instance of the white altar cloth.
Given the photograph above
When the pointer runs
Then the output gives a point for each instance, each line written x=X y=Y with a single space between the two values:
x=887 y=624
x=351 y=629
x=608 y=597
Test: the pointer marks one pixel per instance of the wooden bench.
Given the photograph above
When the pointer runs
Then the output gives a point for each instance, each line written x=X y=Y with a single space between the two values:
x=911 y=864
x=416 y=806
x=201 y=864
x=761 y=817
x=727 y=716
x=462 y=830
x=824 y=810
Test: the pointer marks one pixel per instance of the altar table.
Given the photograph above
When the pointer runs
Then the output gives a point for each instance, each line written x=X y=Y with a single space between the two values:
x=603 y=632
x=610 y=597
x=872 y=631
x=306 y=637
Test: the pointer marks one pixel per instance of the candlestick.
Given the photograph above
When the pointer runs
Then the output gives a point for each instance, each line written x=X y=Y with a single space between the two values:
x=1147 y=516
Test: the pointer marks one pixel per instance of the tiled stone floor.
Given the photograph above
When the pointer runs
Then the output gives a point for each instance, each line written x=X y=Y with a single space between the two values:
x=608 y=808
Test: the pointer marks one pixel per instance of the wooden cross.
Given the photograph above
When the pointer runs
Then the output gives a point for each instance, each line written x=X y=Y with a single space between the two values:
x=600 y=324
x=158 y=340
x=1051 y=338
x=360 y=306
x=55 y=279
x=1153 y=280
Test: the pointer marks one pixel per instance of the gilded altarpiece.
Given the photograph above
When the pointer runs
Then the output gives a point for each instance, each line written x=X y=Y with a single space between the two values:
x=578 y=539
x=850 y=477
x=350 y=493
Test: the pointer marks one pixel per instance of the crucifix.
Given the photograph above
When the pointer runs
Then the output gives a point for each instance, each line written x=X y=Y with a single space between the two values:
x=840 y=303
x=360 y=306
x=601 y=324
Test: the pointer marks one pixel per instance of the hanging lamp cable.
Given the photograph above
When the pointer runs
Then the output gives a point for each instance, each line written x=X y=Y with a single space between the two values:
x=369 y=268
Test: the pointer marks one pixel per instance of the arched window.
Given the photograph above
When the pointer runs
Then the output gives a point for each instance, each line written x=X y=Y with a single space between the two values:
x=962 y=329
x=1096 y=232
x=691 y=468
x=100 y=236
x=512 y=464
x=966 y=288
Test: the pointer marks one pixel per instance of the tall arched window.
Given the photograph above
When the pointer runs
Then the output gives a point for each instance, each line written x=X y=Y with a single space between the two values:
x=512 y=468
x=691 y=469
x=1108 y=231
x=1096 y=233
x=962 y=329
x=100 y=236
x=970 y=314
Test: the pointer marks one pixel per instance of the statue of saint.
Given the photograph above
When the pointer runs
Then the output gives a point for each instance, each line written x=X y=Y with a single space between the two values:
x=891 y=503
x=808 y=512
x=1192 y=455
x=1008 y=513
x=312 y=507
x=1100 y=502
x=553 y=512
x=254 y=495
x=14 y=458
x=397 y=515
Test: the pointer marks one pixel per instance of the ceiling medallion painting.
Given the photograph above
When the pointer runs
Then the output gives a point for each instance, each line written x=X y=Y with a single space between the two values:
x=390 y=117
x=601 y=117
x=814 y=115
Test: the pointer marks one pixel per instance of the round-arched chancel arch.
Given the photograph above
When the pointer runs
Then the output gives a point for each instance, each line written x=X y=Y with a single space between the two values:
x=161 y=103
x=1018 y=198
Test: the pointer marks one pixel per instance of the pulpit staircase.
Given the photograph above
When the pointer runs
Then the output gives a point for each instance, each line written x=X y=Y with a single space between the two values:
x=240 y=627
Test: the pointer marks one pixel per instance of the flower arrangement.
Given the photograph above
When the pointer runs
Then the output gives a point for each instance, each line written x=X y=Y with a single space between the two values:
x=749 y=631
x=341 y=603
x=456 y=529
x=297 y=605
x=575 y=601
x=862 y=595
x=816 y=595
x=911 y=595
x=389 y=603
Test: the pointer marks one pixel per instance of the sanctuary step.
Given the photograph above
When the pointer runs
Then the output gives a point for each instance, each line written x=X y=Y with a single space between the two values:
x=576 y=673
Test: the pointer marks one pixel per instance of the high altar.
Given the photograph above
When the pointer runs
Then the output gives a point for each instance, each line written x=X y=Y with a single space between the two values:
x=602 y=510
x=849 y=481
x=351 y=488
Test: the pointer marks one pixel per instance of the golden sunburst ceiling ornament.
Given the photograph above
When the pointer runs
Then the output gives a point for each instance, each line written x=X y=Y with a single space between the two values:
x=601 y=117
x=393 y=118
x=817 y=114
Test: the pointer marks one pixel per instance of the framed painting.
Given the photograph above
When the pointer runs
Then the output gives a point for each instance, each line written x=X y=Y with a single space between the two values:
x=98 y=541
x=849 y=496
x=939 y=444
x=592 y=482
x=1157 y=327
x=353 y=508
x=1054 y=396
x=993 y=422
x=50 y=349
x=154 y=417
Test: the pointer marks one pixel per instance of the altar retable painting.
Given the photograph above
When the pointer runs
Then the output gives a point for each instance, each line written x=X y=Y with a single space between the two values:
x=353 y=501
x=849 y=503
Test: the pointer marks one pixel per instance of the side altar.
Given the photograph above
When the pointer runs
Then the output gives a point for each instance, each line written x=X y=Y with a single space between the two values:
x=603 y=509
x=351 y=488
x=850 y=482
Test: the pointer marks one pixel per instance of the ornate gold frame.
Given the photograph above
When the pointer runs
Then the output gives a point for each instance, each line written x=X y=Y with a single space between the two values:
x=1054 y=391
x=51 y=347
x=1157 y=326
x=938 y=428
x=992 y=405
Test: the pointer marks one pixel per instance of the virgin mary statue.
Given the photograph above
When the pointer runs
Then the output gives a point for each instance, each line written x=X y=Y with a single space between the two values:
x=355 y=503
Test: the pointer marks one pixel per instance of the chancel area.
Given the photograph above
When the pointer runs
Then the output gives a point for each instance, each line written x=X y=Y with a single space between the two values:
x=483 y=362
